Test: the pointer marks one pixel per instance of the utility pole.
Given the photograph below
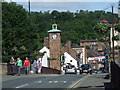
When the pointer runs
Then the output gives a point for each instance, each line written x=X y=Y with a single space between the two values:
x=29 y=28
x=29 y=8
x=113 y=54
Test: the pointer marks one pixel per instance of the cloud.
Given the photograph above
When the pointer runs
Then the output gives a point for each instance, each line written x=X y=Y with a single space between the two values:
x=65 y=6
x=37 y=6
x=63 y=0
x=58 y=5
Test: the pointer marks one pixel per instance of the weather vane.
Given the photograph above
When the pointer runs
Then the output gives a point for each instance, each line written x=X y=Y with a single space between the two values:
x=54 y=18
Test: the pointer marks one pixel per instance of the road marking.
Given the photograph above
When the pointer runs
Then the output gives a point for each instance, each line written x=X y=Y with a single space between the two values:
x=80 y=80
x=56 y=81
x=22 y=85
x=64 y=81
x=38 y=82
x=50 y=81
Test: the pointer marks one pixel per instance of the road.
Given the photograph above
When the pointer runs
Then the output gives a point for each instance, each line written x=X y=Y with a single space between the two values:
x=58 y=81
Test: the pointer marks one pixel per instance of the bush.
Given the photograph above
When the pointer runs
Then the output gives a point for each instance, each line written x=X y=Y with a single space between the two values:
x=102 y=27
x=117 y=27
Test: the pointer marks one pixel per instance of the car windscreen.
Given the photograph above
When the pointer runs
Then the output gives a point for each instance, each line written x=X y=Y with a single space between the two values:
x=70 y=66
x=86 y=66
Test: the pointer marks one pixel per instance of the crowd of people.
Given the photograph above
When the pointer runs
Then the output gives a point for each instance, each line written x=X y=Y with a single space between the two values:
x=37 y=65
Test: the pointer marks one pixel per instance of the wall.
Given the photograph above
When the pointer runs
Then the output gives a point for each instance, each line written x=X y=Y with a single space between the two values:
x=68 y=59
x=115 y=75
x=3 y=68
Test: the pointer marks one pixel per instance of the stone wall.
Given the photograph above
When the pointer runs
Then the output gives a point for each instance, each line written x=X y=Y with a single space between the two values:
x=3 y=68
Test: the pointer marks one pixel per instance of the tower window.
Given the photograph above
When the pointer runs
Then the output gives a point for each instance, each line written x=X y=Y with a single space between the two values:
x=70 y=60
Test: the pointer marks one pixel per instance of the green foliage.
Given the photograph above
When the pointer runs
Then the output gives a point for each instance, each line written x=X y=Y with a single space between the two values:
x=102 y=27
x=117 y=27
x=87 y=47
x=116 y=37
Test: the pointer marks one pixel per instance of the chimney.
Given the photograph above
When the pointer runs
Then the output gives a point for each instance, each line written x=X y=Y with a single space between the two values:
x=46 y=42
x=68 y=44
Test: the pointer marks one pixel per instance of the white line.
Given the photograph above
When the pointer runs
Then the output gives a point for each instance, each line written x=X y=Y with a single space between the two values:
x=56 y=81
x=50 y=81
x=64 y=81
x=38 y=82
x=79 y=81
x=22 y=85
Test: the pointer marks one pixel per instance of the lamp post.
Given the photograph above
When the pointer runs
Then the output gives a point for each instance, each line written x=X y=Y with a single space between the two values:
x=113 y=35
x=29 y=27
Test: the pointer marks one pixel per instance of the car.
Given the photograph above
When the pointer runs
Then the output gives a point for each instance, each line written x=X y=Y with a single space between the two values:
x=70 y=69
x=85 y=68
x=96 y=71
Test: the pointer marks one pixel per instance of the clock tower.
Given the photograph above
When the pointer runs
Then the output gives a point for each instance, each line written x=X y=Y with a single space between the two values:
x=55 y=47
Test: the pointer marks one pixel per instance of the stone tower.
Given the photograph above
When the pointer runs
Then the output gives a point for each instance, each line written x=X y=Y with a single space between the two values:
x=55 y=47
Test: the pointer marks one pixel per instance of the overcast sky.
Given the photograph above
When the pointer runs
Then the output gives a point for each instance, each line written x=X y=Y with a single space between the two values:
x=71 y=5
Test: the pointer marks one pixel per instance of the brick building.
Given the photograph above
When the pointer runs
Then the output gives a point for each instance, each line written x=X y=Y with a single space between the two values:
x=55 y=47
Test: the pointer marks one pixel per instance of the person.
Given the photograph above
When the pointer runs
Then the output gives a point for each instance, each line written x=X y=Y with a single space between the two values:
x=19 y=66
x=39 y=66
x=12 y=64
x=27 y=65
x=35 y=66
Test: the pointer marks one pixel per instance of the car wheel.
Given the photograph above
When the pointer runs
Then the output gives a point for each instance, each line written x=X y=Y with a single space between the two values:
x=80 y=72
x=90 y=72
x=65 y=71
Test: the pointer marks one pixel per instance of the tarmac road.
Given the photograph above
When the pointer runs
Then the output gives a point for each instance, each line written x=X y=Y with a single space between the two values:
x=41 y=81
x=52 y=81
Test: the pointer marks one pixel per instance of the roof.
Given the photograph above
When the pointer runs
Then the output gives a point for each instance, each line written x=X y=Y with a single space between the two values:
x=77 y=47
x=88 y=40
x=45 y=49
x=54 y=29
x=91 y=53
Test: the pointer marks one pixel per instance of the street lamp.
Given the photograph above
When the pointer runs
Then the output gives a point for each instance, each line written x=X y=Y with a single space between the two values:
x=113 y=35
x=29 y=27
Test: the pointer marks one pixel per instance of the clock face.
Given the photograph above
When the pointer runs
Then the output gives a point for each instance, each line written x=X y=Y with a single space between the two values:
x=54 y=36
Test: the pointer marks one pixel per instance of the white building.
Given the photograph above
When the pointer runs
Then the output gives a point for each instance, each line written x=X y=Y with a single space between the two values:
x=70 y=59
x=116 y=42
x=45 y=57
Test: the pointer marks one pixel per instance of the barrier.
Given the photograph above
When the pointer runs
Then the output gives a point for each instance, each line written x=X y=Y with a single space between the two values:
x=9 y=72
x=3 y=68
x=6 y=69
x=47 y=70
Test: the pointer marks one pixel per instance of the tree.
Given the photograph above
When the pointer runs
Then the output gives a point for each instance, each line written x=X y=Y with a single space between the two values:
x=15 y=28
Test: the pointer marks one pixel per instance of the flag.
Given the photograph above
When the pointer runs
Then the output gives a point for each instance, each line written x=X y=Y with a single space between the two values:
x=104 y=21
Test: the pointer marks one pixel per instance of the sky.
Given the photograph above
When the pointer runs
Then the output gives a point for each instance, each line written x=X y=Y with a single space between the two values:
x=71 y=5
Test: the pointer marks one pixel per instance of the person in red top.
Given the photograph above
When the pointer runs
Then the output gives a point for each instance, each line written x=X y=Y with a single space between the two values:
x=27 y=65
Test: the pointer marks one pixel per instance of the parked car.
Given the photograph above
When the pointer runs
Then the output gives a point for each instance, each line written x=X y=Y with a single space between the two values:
x=96 y=71
x=70 y=69
x=85 y=68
